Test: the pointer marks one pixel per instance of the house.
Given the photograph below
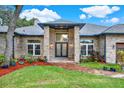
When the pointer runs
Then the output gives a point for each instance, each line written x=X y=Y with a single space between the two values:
x=66 y=41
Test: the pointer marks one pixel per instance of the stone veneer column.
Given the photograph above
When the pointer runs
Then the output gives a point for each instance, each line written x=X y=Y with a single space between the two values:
x=46 y=42
x=76 y=44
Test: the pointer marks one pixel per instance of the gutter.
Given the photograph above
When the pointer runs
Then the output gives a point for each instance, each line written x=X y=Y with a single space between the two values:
x=105 y=47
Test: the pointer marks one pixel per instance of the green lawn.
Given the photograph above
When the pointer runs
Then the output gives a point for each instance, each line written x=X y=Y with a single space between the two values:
x=54 y=77
x=97 y=65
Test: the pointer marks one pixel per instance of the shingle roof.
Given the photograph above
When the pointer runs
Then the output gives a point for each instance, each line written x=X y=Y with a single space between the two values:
x=116 y=29
x=92 y=30
x=86 y=30
x=30 y=30
x=62 y=21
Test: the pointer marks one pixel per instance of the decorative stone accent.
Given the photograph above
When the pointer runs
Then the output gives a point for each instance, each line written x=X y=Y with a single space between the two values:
x=2 y=43
x=111 y=41
x=76 y=44
x=46 y=42
x=20 y=45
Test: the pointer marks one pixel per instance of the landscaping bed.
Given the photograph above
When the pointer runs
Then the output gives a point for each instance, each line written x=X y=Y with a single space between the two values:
x=101 y=66
x=18 y=66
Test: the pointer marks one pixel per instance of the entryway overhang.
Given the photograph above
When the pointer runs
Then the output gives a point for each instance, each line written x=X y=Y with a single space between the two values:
x=61 y=24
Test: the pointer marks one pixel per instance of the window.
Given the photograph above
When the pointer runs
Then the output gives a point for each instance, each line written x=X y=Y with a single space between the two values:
x=86 y=48
x=34 y=48
x=61 y=37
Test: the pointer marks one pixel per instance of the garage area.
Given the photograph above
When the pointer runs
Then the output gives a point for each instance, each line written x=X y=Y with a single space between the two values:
x=119 y=52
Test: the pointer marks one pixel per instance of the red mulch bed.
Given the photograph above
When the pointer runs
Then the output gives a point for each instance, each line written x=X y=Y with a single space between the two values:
x=18 y=66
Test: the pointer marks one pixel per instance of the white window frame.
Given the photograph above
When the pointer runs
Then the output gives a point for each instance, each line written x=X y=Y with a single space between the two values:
x=34 y=48
x=87 y=44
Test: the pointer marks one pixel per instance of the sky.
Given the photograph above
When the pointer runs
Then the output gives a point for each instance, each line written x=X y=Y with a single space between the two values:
x=102 y=15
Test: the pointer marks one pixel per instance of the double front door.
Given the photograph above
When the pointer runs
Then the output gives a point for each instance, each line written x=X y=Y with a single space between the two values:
x=61 y=49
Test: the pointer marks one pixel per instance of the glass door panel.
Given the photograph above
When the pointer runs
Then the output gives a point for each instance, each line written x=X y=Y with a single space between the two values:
x=64 y=49
x=58 y=49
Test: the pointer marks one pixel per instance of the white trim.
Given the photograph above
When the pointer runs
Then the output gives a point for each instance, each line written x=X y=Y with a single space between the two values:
x=34 y=48
x=87 y=44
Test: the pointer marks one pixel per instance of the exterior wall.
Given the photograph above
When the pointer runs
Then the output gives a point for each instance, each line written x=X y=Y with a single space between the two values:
x=71 y=44
x=111 y=41
x=46 y=42
x=102 y=45
x=52 y=40
x=76 y=44
x=52 y=43
x=95 y=40
x=20 y=45
x=2 y=43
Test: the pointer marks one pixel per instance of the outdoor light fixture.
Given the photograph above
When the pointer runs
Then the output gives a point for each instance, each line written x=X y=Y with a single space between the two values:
x=51 y=45
x=113 y=46
x=71 y=45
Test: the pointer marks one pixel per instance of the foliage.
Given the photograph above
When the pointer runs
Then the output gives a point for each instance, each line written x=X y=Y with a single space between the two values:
x=13 y=61
x=2 y=58
x=40 y=59
x=24 y=22
x=97 y=65
x=30 y=59
x=120 y=56
x=5 y=15
x=88 y=59
x=55 y=77
x=21 y=60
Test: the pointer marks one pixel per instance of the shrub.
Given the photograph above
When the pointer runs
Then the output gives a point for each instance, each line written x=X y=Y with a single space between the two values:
x=40 y=59
x=89 y=59
x=2 y=58
x=30 y=59
x=120 y=56
x=13 y=61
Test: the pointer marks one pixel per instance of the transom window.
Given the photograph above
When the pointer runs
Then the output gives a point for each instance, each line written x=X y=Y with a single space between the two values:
x=34 y=48
x=61 y=37
x=86 y=48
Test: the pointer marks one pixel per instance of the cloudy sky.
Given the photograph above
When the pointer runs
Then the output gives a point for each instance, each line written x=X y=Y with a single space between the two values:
x=103 y=15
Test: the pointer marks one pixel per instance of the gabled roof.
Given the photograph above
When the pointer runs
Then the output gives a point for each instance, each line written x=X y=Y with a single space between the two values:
x=30 y=30
x=116 y=29
x=92 y=30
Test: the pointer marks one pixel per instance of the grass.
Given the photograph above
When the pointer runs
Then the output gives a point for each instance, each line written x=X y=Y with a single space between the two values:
x=97 y=65
x=54 y=77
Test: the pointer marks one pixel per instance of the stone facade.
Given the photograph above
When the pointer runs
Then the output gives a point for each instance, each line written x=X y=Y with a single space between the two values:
x=111 y=41
x=98 y=42
x=46 y=42
x=76 y=44
x=105 y=45
x=102 y=45
x=70 y=42
x=2 y=43
x=20 y=45
x=95 y=41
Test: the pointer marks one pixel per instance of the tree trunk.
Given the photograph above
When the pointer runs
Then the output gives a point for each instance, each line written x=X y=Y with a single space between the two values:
x=10 y=34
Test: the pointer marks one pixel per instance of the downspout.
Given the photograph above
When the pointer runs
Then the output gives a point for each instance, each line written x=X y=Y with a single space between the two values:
x=105 y=47
x=13 y=47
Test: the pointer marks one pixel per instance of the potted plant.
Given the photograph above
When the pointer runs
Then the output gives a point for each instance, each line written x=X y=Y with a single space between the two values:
x=21 y=60
x=13 y=62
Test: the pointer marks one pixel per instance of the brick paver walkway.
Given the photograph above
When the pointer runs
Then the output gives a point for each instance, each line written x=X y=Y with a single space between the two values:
x=77 y=67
